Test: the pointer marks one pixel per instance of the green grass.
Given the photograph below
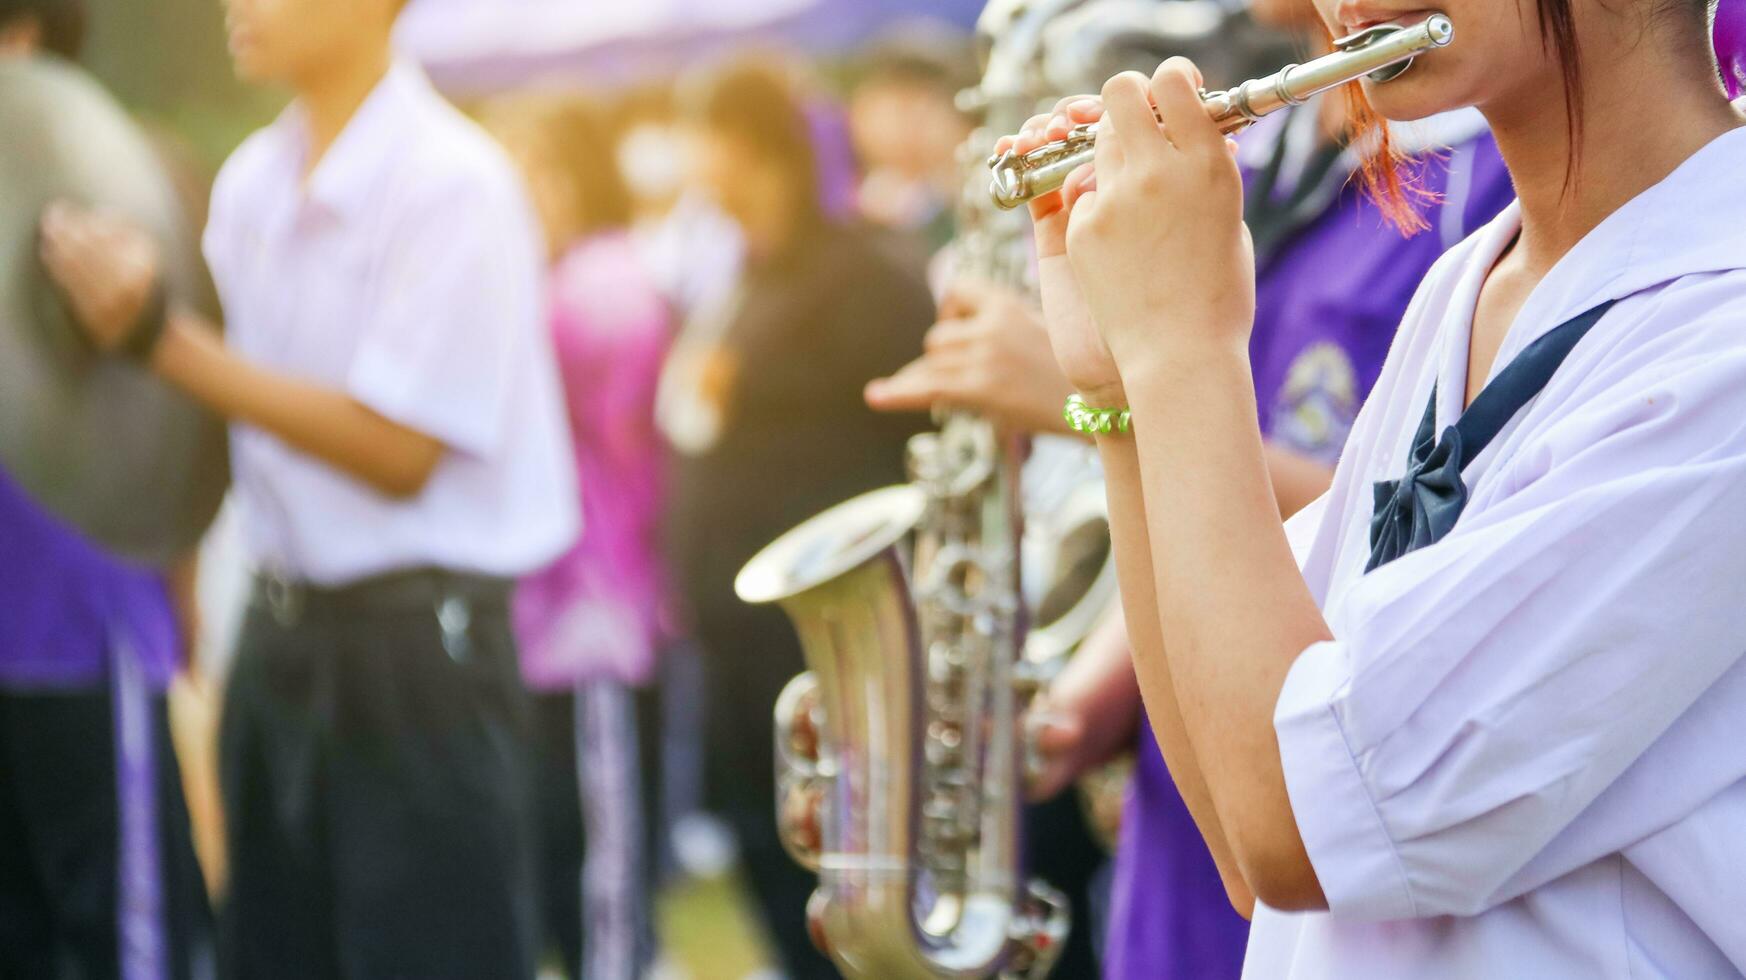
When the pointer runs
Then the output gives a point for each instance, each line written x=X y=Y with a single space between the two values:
x=709 y=929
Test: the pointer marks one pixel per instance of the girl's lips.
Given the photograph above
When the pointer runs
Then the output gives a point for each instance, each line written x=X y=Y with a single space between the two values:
x=1360 y=17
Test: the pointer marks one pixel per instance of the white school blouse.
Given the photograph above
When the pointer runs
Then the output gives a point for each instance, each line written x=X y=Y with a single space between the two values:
x=1524 y=752
x=408 y=272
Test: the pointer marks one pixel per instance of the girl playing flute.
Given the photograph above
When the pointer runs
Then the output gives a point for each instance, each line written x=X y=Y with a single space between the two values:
x=1473 y=710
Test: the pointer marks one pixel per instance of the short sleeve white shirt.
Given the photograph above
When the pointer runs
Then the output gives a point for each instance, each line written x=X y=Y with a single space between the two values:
x=1523 y=754
x=406 y=272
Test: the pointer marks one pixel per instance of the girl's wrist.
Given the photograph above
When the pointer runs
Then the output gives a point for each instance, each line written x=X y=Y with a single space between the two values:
x=1183 y=364
x=1106 y=395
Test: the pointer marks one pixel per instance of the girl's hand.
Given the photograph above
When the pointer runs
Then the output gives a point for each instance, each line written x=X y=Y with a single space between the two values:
x=1158 y=246
x=1079 y=351
x=1049 y=211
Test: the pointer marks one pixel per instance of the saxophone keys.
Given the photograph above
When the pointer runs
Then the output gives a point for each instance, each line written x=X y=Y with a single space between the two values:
x=802 y=817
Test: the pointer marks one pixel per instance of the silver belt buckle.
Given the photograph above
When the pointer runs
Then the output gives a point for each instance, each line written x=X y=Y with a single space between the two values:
x=455 y=617
x=284 y=599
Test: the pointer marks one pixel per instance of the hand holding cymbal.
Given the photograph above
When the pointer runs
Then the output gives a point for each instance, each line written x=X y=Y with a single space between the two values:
x=107 y=270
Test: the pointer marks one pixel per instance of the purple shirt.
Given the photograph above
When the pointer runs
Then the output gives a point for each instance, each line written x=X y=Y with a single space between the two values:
x=66 y=604
x=1328 y=300
x=1730 y=39
x=595 y=612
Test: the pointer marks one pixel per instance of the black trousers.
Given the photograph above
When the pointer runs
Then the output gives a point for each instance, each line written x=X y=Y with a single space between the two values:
x=376 y=795
x=59 y=843
x=750 y=654
x=1061 y=850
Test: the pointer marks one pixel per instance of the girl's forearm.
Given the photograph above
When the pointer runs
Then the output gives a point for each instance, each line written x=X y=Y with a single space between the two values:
x=1140 y=591
x=1231 y=606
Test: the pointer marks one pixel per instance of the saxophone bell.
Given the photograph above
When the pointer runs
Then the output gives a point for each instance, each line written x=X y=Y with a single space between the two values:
x=898 y=896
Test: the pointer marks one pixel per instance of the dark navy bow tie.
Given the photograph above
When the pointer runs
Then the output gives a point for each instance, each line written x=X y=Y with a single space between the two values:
x=1421 y=507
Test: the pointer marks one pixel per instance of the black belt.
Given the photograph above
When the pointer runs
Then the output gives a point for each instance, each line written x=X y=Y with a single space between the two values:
x=290 y=601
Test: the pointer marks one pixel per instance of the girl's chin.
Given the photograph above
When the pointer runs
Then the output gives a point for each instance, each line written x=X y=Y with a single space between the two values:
x=1401 y=100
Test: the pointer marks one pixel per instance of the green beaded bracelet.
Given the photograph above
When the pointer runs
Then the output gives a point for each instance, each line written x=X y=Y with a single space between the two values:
x=1094 y=421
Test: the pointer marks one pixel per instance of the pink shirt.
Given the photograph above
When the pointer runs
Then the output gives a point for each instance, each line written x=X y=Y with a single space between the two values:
x=595 y=612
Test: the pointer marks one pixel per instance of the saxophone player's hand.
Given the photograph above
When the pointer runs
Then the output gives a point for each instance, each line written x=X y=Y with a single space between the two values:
x=1158 y=246
x=989 y=353
x=1088 y=715
x=1080 y=352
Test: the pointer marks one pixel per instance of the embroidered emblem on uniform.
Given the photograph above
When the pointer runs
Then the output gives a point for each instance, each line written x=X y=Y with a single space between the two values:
x=1318 y=401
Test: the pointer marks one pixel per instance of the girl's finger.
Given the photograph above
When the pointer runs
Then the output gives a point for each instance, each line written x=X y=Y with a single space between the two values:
x=1178 y=64
x=1108 y=156
x=1080 y=108
x=1127 y=101
x=1175 y=88
x=1045 y=206
x=1082 y=180
x=1031 y=134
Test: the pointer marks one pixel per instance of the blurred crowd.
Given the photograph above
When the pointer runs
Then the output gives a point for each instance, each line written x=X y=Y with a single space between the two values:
x=727 y=259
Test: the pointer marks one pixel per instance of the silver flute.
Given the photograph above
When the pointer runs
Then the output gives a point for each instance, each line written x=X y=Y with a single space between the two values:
x=1378 y=53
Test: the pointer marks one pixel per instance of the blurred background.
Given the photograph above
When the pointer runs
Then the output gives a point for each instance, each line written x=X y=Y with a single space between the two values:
x=732 y=244
x=167 y=62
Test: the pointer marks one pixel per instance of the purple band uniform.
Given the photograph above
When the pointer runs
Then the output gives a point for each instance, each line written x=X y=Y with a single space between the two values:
x=76 y=621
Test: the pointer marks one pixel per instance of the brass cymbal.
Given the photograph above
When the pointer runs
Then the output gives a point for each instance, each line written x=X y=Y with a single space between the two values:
x=100 y=442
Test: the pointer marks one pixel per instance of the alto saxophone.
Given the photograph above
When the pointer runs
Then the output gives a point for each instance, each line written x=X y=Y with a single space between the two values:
x=900 y=755
x=1379 y=53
